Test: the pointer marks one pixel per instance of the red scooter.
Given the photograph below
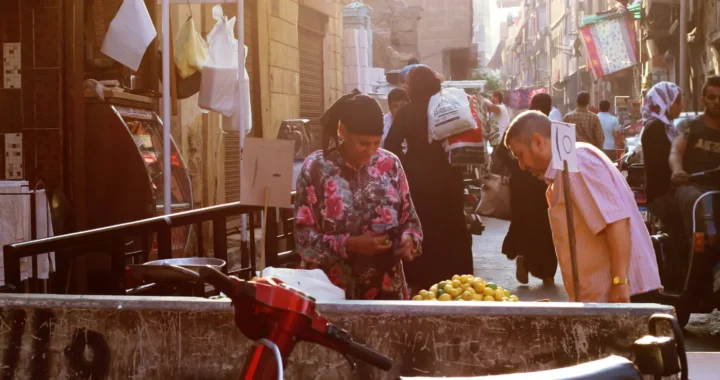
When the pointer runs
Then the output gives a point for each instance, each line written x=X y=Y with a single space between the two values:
x=277 y=316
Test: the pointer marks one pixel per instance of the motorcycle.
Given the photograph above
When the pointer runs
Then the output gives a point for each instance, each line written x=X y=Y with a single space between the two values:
x=277 y=316
x=699 y=288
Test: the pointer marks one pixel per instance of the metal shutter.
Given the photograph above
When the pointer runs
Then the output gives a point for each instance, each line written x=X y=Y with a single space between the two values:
x=232 y=139
x=312 y=84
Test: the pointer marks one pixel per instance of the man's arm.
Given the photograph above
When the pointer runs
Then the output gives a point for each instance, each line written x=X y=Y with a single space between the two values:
x=677 y=151
x=492 y=107
x=598 y=133
x=618 y=238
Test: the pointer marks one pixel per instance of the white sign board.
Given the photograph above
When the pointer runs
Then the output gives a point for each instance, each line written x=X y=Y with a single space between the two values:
x=267 y=164
x=563 y=146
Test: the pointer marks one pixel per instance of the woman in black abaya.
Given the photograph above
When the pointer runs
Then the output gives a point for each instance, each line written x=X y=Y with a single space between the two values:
x=436 y=188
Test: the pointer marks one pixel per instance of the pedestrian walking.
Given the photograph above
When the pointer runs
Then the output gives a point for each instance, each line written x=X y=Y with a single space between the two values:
x=611 y=131
x=587 y=125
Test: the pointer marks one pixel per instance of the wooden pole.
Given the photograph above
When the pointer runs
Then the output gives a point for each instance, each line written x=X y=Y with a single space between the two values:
x=571 y=232
x=264 y=230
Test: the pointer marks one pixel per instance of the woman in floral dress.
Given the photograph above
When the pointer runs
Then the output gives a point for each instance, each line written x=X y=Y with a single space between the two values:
x=354 y=216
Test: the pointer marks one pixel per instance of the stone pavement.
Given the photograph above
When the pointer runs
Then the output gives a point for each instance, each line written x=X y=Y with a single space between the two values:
x=492 y=265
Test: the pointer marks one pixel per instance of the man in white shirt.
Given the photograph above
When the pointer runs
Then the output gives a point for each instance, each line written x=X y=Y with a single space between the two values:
x=500 y=114
x=555 y=114
x=611 y=130
x=396 y=99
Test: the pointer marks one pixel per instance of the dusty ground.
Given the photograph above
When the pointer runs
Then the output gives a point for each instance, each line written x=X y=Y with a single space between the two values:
x=702 y=333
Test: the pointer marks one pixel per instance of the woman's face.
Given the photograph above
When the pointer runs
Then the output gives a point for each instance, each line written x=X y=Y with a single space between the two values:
x=358 y=149
x=676 y=108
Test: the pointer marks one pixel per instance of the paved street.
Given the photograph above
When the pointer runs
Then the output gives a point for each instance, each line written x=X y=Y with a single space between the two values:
x=702 y=333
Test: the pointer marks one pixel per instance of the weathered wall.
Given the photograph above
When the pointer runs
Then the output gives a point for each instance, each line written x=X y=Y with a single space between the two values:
x=64 y=337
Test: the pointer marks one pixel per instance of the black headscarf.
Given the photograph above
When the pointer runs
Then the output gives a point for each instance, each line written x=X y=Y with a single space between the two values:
x=361 y=114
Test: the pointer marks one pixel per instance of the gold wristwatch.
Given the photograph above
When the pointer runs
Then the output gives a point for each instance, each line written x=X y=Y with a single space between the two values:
x=617 y=280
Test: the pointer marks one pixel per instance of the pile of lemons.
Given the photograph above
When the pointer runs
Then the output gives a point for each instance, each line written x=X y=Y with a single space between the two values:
x=466 y=288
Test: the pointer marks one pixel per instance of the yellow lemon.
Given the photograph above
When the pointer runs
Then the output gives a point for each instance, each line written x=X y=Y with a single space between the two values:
x=491 y=285
x=455 y=277
x=423 y=293
x=489 y=298
x=445 y=297
x=507 y=293
x=479 y=286
x=467 y=296
x=471 y=290
x=456 y=284
x=499 y=294
x=455 y=292
x=514 y=298
x=431 y=296
x=478 y=279
x=464 y=279
x=478 y=297
x=448 y=288
x=418 y=298
x=434 y=288
x=442 y=284
x=489 y=292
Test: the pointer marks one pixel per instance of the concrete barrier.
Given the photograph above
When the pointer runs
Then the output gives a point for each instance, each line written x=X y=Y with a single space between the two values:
x=83 y=337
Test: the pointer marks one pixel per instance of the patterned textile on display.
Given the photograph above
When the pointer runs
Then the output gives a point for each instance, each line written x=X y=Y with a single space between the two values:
x=611 y=44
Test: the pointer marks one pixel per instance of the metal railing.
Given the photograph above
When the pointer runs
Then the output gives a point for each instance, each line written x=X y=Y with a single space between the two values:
x=112 y=240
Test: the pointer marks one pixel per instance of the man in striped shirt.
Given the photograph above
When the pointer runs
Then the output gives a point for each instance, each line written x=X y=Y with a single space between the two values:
x=616 y=260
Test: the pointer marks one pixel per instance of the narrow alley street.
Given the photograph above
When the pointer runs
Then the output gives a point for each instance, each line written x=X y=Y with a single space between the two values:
x=701 y=334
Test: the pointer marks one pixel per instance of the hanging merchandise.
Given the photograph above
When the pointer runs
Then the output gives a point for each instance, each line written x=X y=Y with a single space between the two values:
x=129 y=34
x=191 y=51
x=449 y=114
x=610 y=44
x=218 y=89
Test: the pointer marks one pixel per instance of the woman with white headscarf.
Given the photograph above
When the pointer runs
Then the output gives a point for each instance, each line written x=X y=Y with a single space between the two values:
x=663 y=103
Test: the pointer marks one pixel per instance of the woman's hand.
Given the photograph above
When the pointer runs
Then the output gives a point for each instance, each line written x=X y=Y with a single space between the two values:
x=369 y=244
x=407 y=248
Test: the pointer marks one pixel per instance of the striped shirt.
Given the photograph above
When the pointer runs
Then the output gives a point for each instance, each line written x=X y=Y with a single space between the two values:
x=600 y=197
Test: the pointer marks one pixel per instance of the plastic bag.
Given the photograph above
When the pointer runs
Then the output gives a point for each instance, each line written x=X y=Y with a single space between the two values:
x=218 y=89
x=311 y=281
x=495 y=197
x=467 y=148
x=191 y=51
x=449 y=114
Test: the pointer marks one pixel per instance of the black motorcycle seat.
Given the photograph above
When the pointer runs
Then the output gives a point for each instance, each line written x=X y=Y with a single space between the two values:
x=610 y=368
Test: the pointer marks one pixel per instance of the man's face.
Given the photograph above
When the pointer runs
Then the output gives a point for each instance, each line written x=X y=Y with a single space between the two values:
x=395 y=106
x=711 y=100
x=533 y=156
x=496 y=100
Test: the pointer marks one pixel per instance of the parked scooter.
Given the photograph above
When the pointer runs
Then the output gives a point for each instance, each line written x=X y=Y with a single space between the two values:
x=699 y=290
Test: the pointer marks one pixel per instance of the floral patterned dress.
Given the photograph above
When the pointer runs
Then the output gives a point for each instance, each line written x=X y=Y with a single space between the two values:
x=336 y=201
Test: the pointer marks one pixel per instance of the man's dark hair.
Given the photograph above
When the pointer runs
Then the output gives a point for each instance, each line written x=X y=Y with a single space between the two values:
x=398 y=95
x=527 y=123
x=541 y=102
x=423 y=83
x=712 y=81
x=413 y=61
x=604 y=106
x=499 y=95
x=583 y=99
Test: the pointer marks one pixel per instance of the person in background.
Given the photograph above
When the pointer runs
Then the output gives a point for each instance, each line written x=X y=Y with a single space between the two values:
x=396 y=99
x=587 y=125
x=611 y=130
x=499 y=114
x=529 y=238
x=615 y=256
x=412 y=63
x=354 y=217
x=555 y=114
x=437 y=188
x=663 y=103
x=697 y=149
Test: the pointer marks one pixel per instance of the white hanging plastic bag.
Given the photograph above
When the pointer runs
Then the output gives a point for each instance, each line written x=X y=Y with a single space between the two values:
x=218 y=87
x=311 y=281
x=449 y=114
x=129 y=34
x=191 y=51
